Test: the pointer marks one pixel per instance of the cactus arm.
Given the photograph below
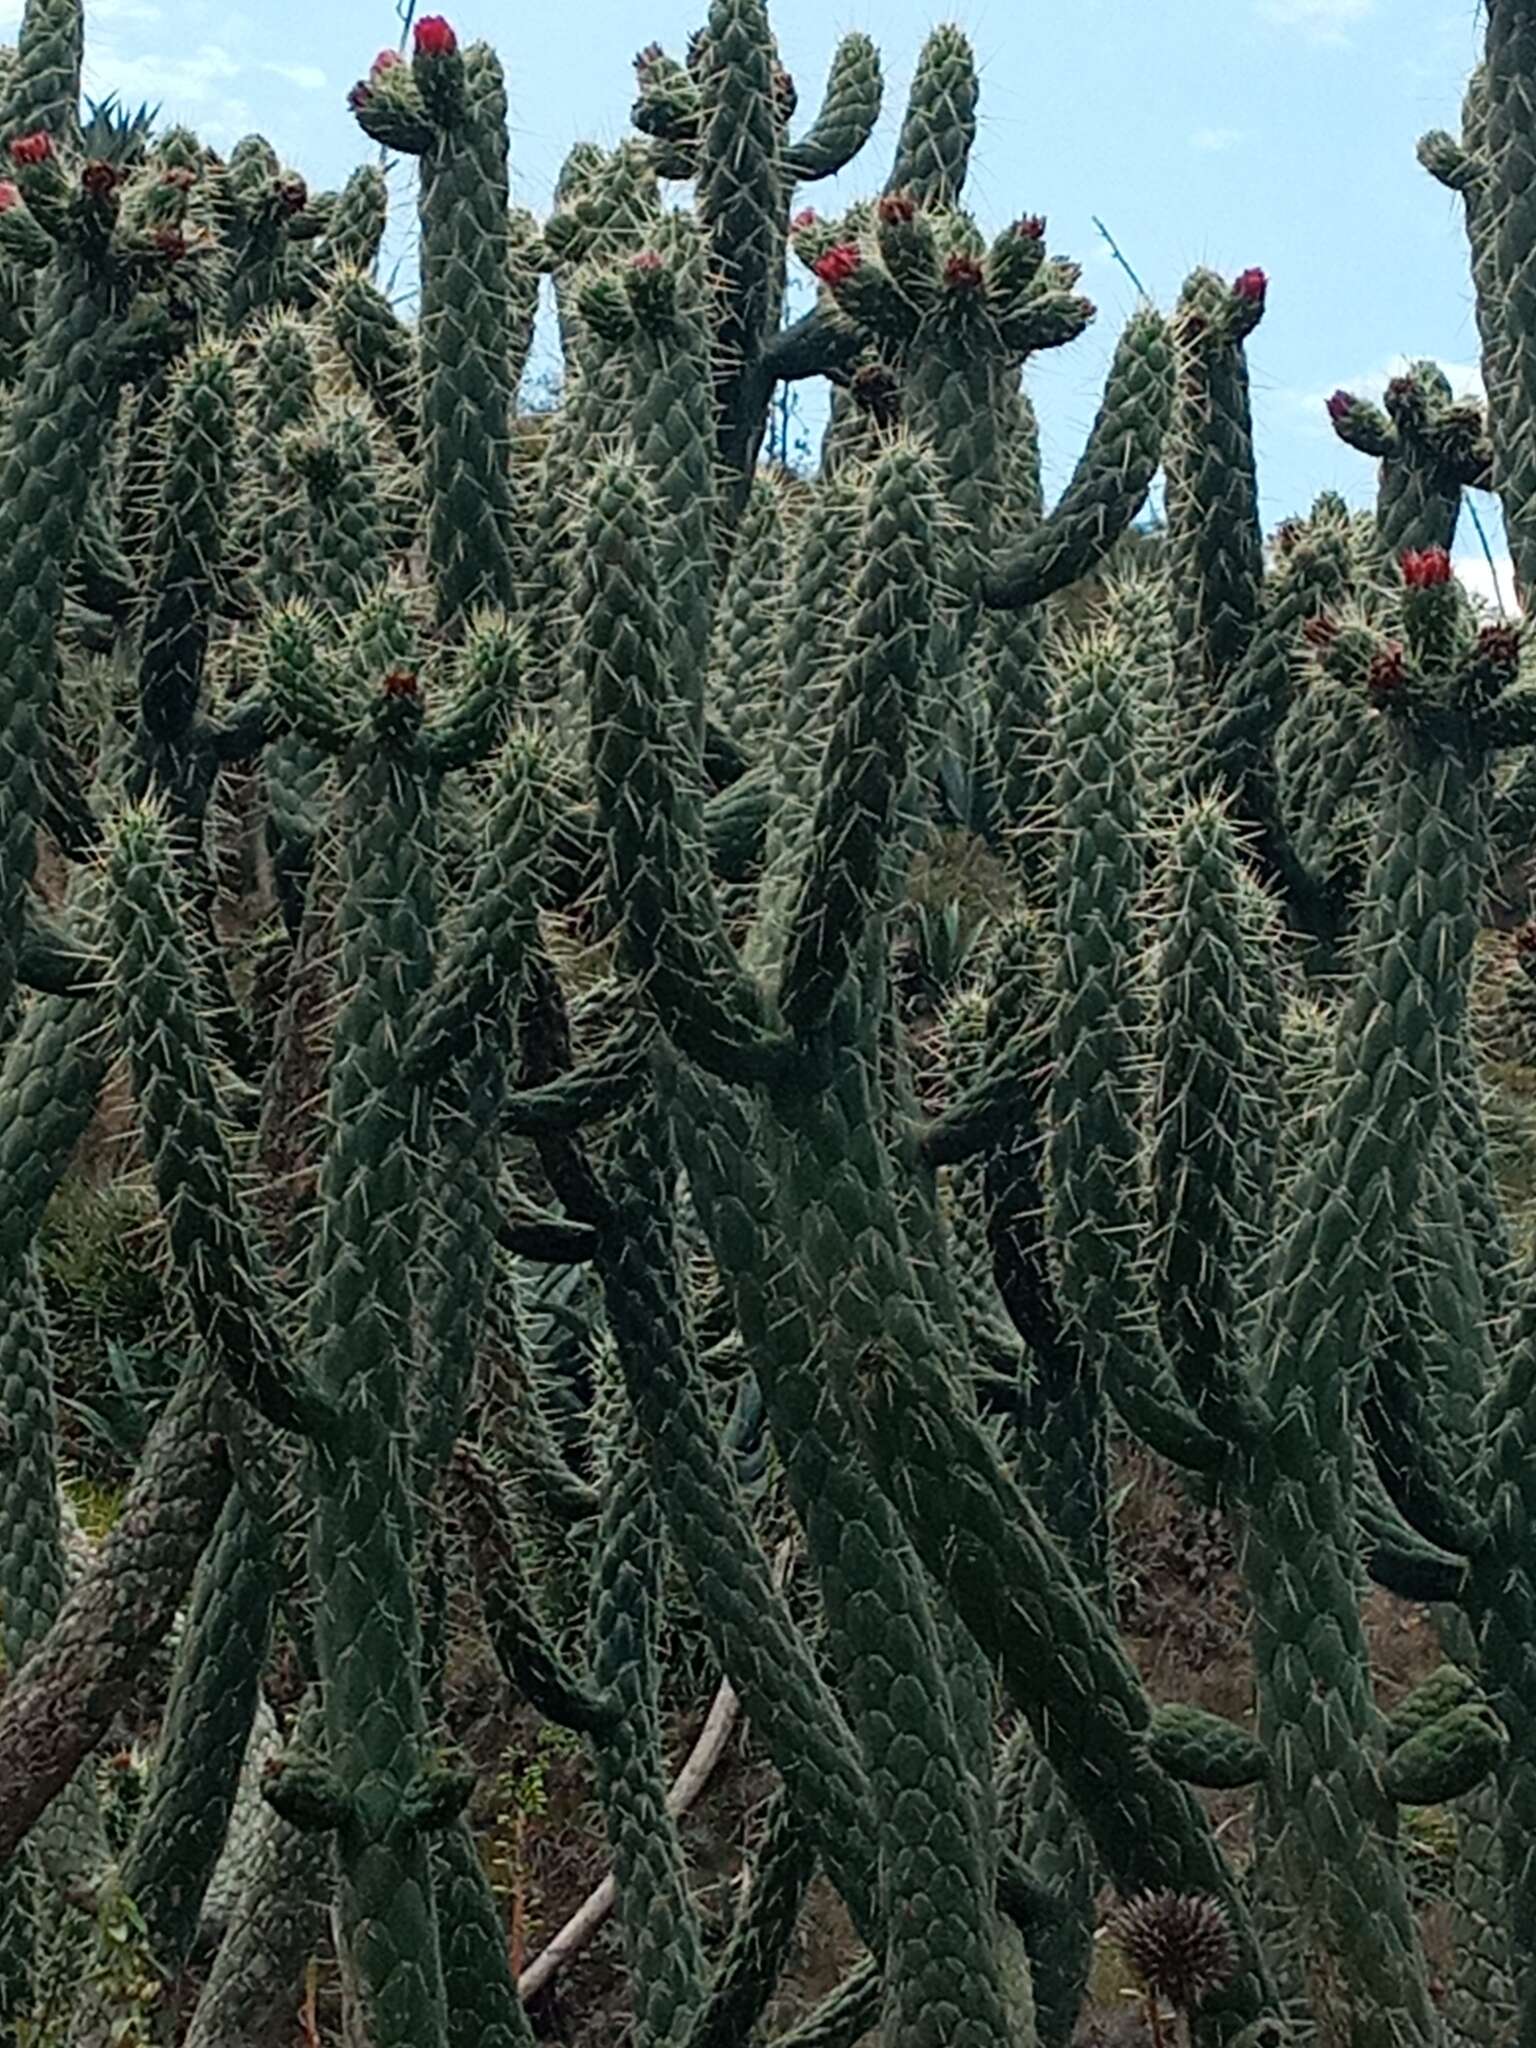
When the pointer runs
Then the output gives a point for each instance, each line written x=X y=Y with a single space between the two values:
x=530 y=1660
x=938 y=128
x=1397 y=1557
x=1095 y=1144
x=43 y=90
x=184 y=1129
x=206 y=1729
x=484 y=2010
x=279 y=1922
x=740 y=189
x=794 y=1713
x=701 y=995
x=986 y=1111
x=844 y=2016
x=857 y=810
x=55 y=1712
x=1024 y=1604
x=660 y=1926
x=761 y=1935
x=1110 y=483
x=818 y=344
x=540 y=1235
x=53 y=960
x=850 y=107
x=598 y=1088
x=381 y=353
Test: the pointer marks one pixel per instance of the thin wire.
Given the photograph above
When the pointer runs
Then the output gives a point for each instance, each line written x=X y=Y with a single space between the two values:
x=1493 y=574
x=1119 y=255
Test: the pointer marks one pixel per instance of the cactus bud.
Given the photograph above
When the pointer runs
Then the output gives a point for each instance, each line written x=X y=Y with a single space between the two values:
x=433 y=37
x=646 y=260
x=1424 y=568
x=1320 y=632
x=10 y=195
x=963 y=274
x=1341 y=405
x=1386 y=673
x=32 y=149
x=99 y=180
x=1251 y=286
x=804 y=220
x=171 y=243
x=293 y=194
x=1031 y=228
x=838 y=264
x=401 y=682
x=896 y=206
x=386 y=60
x=1179 y=1945
x=1525 y=944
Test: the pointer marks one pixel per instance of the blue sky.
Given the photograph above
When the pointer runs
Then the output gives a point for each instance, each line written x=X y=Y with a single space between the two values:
x=1229 y=132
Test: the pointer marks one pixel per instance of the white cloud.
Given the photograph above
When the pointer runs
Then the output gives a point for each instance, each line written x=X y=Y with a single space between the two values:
x=307 y=77
x=1493 y=582
x=1322 y=21
x=193 y=79
x=1466 y=381
x=1216 y=139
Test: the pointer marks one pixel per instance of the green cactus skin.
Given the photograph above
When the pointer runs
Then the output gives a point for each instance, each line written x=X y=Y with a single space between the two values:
x=939 y=126
x=1508 y=281
x=42 y=90
x=207 y=1726
x=744 y=674
x=52 y=449
x=54 y=1713
x=211 y=1237
x=366 y=1629
x=380 y=352
x=1429 y=449
x=484 y=2010
x=849 y=109
x=461 y=139
x=279 y=1921
x=661 y=1933
x=741 y=194
x=755 y=1955
x=1109 y=486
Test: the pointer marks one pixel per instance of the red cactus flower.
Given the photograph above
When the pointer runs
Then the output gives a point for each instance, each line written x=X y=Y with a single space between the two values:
x=838 y=264
x=1251 y=286
x=1424 y=568
x=1320 y=632
x=171 y=243
x=433 y=37
x=401 y=682
x=806 y=218
x=896 y=207
x=1386 y=672
x=963 y=274
x=1341 y=405
x=386 y=60
x=32 y=149
x=1031 y=228
x=10 y=195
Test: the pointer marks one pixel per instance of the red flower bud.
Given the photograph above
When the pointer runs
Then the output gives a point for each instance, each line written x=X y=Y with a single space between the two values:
x=171 y=243
x=896 y=207
x=32 y=149
x=1031 y=228
x=386 y=60
x=99 y=180
x=1341 y=405
x=1320 y=632
x=293 y=194
x=1424 y=568
x=178 y=178
x=1498 y=647
x=963 y=274
x=1251 y=286
x=9 y=195
x=1287 y=534
x=806 y=218
x=1386 y=672
x=433 y=37
x=838 y=264
x=401 y=682
x=646 y=260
